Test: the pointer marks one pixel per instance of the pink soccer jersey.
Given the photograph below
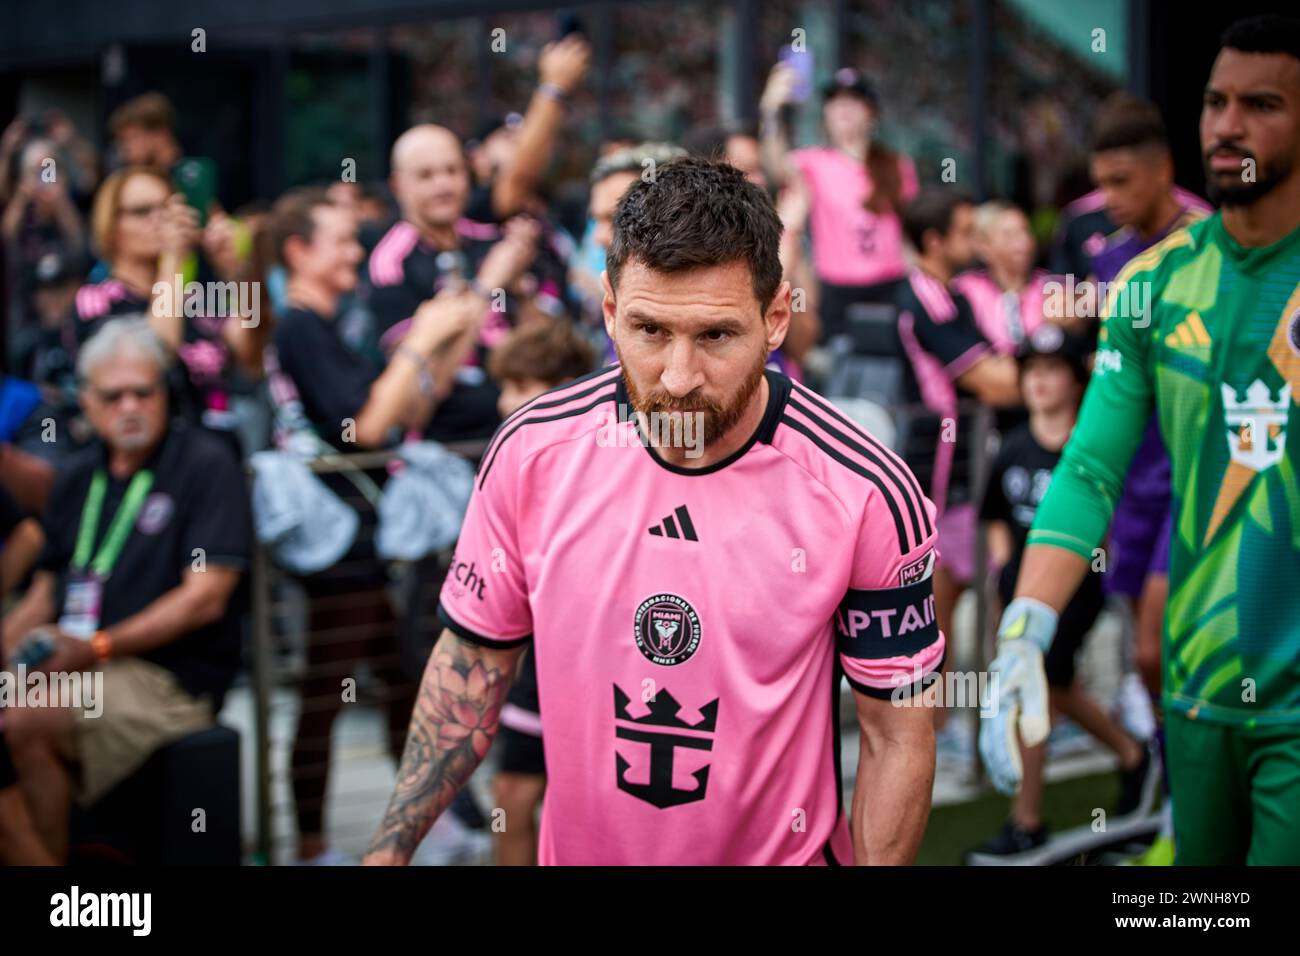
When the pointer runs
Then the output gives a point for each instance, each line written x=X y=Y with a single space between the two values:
x=850 y=244
x=690 y=626
x=1005 y=318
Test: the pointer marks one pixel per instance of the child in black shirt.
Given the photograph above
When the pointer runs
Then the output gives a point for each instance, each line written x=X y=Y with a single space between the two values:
x=1052 y=379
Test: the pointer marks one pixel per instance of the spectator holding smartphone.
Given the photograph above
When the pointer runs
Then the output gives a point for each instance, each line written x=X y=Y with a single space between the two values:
x=856 y=188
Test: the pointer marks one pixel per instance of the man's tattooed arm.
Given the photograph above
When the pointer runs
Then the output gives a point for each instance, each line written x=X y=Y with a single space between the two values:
x=455 y=718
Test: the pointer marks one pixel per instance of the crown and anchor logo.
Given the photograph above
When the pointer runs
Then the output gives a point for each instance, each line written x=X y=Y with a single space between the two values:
x=1257 y=426
x=663 y=746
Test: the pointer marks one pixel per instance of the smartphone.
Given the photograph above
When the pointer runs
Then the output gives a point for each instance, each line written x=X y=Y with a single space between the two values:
x=196 y=180
x=802 y=62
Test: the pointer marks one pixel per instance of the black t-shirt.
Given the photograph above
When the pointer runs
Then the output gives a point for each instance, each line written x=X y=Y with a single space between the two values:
x=1018 y=481
x=405 y=270
x=198 y=500
x=941 y=339
x=333 y=380
x=333 y=383
x=96 y=303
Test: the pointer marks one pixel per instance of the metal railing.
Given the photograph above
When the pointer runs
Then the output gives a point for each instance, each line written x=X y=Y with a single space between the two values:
x=271 y=606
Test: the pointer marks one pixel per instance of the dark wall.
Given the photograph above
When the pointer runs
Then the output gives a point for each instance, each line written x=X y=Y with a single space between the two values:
x=217 y=108
x=1184 y=43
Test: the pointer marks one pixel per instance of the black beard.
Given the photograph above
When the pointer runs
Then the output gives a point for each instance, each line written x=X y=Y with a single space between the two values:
x=1244 y=194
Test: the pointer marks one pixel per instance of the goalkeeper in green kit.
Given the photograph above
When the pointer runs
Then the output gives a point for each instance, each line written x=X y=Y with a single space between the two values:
x=1204 y=328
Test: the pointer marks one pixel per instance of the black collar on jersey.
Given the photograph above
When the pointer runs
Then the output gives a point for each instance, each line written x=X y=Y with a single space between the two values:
x=778 y=392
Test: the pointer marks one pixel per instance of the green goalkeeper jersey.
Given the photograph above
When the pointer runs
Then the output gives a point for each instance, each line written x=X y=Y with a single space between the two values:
x=1207 y=331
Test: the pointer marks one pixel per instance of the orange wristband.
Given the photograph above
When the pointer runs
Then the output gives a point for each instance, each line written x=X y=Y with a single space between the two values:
x=102 y=645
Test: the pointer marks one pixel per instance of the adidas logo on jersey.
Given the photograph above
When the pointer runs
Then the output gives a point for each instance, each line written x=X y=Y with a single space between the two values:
x=669 y=527
x=1190 y=336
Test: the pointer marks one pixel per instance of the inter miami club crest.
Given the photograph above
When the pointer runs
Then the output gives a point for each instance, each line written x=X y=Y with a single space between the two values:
x=155 y=513
x=667 y=629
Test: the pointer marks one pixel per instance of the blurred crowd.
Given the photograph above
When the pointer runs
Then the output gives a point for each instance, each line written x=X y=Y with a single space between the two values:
x=153 y=332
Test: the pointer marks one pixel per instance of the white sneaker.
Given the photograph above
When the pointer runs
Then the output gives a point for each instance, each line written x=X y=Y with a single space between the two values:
x=450 y=842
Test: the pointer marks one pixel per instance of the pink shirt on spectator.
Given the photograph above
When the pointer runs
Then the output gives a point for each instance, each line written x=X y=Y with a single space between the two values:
x=993 y=309
x=850 y=244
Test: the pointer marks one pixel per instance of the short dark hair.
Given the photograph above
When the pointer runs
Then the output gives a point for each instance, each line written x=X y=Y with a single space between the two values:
x=547 y=350
x=292 y=215
x=696 y=213
x=151 y=111
x=1269 y=33
x=932 y=209
x=1126 y=121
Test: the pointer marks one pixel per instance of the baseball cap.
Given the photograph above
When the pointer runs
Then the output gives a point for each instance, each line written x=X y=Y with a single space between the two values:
x=848 y=80
x=493 y=123
x=1053 y=341
x=53 y=268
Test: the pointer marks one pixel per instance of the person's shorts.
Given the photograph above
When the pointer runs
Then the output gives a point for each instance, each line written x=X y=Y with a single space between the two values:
x=142 y=707
x=1139 y=546
x=1074 y=624
x=521 y=752
x=956 y=527
x=1238 y=793
x=521 y=723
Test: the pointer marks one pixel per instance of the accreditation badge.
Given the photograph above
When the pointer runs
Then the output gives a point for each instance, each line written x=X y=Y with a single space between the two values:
x=81 y=605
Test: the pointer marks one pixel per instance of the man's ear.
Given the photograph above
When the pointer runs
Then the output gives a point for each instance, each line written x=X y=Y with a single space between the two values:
x=776 y=321
x=926 y=236
x=608 y=306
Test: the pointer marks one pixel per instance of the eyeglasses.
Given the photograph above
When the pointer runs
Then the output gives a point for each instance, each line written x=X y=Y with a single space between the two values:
x=141 y=212
x=111 y=396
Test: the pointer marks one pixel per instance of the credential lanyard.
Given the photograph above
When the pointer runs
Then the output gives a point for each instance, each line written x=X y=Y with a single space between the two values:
x=118 y=530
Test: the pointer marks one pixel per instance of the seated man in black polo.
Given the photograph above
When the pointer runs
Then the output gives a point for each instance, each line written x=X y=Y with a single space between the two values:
x=148 y=537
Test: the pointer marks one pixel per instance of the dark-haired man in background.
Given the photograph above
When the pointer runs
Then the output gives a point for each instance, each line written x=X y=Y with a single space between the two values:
x=948 y=360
